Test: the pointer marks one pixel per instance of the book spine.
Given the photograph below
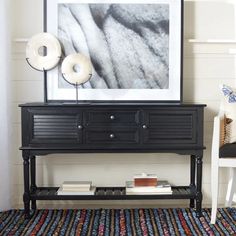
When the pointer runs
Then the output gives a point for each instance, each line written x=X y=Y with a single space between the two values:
x=145 y=182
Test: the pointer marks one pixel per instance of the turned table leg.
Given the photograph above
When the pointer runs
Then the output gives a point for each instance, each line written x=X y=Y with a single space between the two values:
x=199 y=186
x=192 y=177
x=26 y=195
x=33 y=186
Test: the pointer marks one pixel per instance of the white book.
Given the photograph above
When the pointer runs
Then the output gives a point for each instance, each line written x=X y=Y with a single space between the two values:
x=76 y=189
x=148 y=193
x=62 y=192
x=162 y=187
x=77 y=184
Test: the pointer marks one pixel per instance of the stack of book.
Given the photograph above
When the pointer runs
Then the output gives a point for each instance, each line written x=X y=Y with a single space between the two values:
x=147 y=185
x=144 y=180
x=76 y=188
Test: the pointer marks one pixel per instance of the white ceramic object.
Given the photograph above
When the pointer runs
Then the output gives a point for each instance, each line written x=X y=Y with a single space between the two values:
x=53 y=48
x=73 y=75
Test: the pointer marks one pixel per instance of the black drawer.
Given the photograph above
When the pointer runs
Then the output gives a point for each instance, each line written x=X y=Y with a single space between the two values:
x=112 y=117
x=108 y=136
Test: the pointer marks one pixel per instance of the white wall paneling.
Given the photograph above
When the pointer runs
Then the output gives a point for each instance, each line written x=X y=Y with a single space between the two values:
x=209 y=67
x=205 y=90
x=27 y=18
x=22 y=71
x=54 y=174
x=16 y=119
x=29 y=91
x=217 y=49
x=210 y=19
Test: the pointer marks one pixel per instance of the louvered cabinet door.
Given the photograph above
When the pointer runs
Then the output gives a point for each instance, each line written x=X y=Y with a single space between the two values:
x=55 y=126
x=170 y=127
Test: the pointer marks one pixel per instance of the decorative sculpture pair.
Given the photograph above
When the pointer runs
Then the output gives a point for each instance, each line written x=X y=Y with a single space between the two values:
x=43 y=52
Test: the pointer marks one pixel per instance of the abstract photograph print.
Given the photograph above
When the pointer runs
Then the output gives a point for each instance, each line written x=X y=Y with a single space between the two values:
x=134 y=48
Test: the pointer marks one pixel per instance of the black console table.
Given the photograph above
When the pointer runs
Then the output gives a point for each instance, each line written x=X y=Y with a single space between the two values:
x=111 y=127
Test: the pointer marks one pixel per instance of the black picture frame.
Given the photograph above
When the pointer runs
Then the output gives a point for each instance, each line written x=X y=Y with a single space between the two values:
x=181 y=46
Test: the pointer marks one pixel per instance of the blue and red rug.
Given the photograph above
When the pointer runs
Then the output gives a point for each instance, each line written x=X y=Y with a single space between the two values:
x=109 y=222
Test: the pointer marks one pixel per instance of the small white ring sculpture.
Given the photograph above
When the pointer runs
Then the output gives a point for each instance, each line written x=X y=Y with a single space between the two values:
x=53 y=51
x=76 y=76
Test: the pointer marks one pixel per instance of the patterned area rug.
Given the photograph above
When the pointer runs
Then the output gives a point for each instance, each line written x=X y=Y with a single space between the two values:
x=109 y=222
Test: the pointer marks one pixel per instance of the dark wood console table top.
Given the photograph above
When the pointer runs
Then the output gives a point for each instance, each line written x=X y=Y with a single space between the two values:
x=111 y=127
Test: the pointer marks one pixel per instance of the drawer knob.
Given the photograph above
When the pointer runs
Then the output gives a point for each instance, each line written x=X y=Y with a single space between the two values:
x=144 y=127
x=112 y=136
x=80 y=126
x=112 y=117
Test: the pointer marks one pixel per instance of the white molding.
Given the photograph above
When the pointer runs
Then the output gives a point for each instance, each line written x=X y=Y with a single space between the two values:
x=223 y=1
x=211 y=41
x=210 y=46
x=20 y=40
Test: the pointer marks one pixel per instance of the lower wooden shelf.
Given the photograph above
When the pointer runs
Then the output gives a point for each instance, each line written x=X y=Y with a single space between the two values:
x=111 y=193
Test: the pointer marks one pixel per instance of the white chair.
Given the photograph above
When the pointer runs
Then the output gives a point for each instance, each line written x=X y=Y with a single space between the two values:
x=221 y=156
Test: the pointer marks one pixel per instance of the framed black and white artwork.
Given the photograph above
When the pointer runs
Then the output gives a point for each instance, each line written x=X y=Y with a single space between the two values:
x=135 y=47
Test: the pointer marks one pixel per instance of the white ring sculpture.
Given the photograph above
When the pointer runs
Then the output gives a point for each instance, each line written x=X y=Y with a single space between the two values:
x=76 y=76
x=53 y=51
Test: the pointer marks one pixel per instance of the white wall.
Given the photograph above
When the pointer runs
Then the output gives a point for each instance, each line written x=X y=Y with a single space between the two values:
x=205 y=67
x=5 y=183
